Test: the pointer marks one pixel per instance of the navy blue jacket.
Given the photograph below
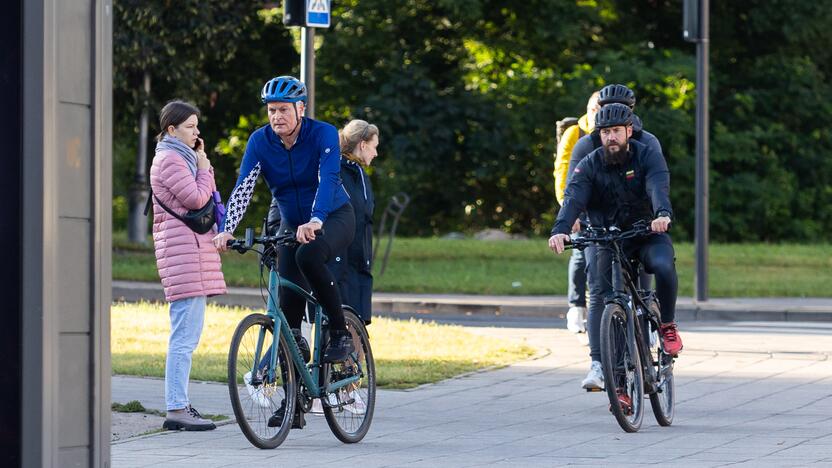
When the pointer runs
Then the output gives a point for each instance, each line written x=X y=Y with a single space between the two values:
x=592 y=141
x=305 y=180
x=617 y=195
x=352 y=268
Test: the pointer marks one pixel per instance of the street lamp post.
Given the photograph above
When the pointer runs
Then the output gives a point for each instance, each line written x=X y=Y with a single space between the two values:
x=307 y=67
x=696 y=29
x=308 y=14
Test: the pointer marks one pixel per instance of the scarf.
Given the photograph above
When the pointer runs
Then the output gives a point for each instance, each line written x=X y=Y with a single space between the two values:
x=175 y=144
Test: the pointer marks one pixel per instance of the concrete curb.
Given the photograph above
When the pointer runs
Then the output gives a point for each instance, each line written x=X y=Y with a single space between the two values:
x=554 y=307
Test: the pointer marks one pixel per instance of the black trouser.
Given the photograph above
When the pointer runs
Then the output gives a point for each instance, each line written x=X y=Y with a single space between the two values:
x=306 y=266
x=656 y=255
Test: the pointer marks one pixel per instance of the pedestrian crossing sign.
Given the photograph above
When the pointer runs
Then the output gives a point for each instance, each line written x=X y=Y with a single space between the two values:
x=317 y=13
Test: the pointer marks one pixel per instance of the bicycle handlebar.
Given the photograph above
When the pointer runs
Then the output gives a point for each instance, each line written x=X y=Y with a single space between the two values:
x=286 y=239
x=606 y=236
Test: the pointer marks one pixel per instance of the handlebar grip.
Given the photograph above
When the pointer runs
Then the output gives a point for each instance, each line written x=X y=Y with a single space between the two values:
x=237 y=245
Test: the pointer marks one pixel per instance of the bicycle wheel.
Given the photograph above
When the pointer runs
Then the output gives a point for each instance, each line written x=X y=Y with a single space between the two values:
x=622 y=369
x=256 y=393
x=349 y=410
x=663 y=400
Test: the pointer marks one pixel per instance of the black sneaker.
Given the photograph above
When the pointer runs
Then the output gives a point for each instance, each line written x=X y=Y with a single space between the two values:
x=303 y=345
x=340 y=346
x=277 y=418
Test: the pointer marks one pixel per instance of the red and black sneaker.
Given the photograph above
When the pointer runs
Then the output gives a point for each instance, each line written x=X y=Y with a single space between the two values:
x=624 y=401
x=671 y=340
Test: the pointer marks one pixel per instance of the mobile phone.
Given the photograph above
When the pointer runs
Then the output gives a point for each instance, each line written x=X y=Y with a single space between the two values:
x=198 y=144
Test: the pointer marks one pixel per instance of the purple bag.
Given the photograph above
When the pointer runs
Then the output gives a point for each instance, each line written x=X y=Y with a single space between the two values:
x=219 y=209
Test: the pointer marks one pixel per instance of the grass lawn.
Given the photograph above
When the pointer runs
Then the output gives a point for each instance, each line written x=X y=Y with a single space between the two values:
x=407 y=353
x=528 y=268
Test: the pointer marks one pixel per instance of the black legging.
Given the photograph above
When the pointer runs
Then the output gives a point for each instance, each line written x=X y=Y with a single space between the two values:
x=656 y=254
x=306 y=266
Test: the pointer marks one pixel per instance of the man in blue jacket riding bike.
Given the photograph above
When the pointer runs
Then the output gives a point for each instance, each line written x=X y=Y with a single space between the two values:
x=619 y=184
x=300 y=160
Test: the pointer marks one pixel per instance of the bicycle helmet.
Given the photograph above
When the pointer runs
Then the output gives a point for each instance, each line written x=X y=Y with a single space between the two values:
x=283 y=89
x=616 y=93
x=613 y=115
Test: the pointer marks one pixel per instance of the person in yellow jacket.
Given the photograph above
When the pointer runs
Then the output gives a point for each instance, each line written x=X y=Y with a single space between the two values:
x=576 y=316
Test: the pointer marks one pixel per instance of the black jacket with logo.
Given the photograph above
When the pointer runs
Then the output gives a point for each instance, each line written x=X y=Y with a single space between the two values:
x=617 y=195
x=592 y=141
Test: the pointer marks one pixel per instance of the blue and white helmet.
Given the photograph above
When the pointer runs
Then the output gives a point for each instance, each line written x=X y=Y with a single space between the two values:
x=283 y=89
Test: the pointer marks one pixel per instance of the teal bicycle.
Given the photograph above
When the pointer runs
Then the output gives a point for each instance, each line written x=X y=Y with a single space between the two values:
x=266 y=371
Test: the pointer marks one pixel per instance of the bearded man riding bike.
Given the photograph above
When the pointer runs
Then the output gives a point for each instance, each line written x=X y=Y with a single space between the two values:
x=619 y=184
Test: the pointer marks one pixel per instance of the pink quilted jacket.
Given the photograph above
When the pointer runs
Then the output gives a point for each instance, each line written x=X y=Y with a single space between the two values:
x=188 y=263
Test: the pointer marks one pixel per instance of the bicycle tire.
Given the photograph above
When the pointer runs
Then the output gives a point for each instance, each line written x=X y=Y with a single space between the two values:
x=253 y=408
x=619 y=358
x=351 y=422
x=663 y=401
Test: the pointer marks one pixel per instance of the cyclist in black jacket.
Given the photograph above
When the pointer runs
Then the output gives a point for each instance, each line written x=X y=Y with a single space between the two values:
x=610 y=94
x=619 y=184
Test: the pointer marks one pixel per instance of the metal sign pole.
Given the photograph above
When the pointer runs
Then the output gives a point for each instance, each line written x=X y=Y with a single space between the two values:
x=701 y=243
x=307 y=67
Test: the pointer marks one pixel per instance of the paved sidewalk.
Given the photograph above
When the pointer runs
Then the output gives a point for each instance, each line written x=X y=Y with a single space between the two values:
x=752 y=394
x=750 y=309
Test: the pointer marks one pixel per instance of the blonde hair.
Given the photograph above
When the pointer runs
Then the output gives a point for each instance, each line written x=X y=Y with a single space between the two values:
x=353 y=133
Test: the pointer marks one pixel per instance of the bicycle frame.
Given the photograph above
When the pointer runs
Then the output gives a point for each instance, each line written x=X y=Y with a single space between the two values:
x=629 y=297
x=281 y=328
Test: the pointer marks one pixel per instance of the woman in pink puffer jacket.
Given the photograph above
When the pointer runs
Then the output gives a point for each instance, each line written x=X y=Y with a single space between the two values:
x=182 y=179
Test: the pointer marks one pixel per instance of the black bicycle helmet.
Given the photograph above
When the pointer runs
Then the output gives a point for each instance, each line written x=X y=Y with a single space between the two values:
x=616 y=93
x=613 y=115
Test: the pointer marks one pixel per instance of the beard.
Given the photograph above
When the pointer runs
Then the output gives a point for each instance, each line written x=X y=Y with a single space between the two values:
x=617 y=157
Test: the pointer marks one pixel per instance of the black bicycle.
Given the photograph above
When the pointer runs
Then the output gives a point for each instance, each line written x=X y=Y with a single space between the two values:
x=632 y=355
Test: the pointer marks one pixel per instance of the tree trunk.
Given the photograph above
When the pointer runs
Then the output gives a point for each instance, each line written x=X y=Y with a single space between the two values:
x=136 y=220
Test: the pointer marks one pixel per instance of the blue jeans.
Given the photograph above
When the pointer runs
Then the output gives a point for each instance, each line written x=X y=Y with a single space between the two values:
x=186 y=319
x=576 y=294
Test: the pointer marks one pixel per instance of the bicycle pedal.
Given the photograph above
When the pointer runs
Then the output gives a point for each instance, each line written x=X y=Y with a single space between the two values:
x=594 y=390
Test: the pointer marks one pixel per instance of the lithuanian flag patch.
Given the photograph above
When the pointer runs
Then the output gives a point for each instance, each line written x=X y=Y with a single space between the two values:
x=630 y=174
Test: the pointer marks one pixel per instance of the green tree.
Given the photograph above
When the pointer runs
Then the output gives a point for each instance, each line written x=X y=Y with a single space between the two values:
x=466 y=93
x=163 y=49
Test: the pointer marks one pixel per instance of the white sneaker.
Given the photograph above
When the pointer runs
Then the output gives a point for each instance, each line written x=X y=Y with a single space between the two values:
x=358 y=406
x=576 y=319
x=318 y=408
x=595 y=378
x=256 y=393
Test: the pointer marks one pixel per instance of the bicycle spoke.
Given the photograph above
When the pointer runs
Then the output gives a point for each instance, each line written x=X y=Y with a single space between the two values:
x=254 y=396
x=350 y=408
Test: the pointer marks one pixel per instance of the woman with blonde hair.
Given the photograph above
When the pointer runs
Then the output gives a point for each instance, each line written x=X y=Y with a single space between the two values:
x=359 y=143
